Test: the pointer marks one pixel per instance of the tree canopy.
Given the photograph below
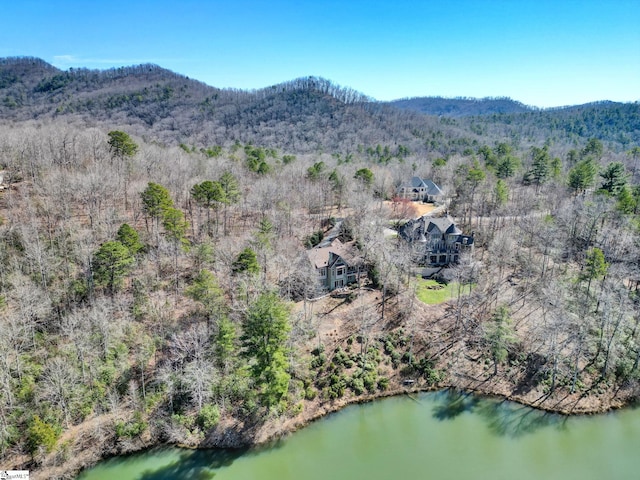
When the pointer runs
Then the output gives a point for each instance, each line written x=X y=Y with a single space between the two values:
x=582 y=175
x=208 y=193
x=246 y=261
x=265 y=333
x=156 y=199
x=111 y=263
x=500 y=336
x=614 y=178
x=130 y=238
x=121 y=144
x=229 y=184
x=365 y=176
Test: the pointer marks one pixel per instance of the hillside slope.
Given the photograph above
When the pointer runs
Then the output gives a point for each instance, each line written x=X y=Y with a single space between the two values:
x=460 y=107
x=308 y=114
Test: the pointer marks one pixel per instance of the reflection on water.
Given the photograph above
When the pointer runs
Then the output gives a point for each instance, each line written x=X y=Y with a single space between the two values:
x=514 y=420
x=502 y=417
x=451 y=403
x=195 y=464
x=165 y=463
x=443 y=435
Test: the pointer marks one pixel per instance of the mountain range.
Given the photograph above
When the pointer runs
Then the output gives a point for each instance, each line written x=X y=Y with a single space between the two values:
x=303 y=115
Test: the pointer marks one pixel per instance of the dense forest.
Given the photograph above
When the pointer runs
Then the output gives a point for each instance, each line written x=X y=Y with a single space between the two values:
x=306 y=115
x=155 y=284
x=461 y=107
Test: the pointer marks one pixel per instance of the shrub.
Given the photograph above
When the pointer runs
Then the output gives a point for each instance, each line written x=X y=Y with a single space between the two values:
x=107 y=374
x=408 y=358
x=183 y=420
x=310 y=393
x=337 y=386
x=383 y=383
x=369 y=380
x=41 y=434
x=341 y=358
x=208 y=417
x=318 y=361
x=314 y=239
x=434 y=376
x=373 y=354
x=357 y=385
x=395 y=359
x=131 y=429
x=426 y=368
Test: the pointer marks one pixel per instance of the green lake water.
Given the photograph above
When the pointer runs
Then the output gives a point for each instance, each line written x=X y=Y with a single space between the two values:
x=438 y=436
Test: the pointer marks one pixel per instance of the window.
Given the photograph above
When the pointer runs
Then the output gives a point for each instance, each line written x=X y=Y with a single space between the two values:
x=339 y=271
x=443 y=259
x=433 y=259
x=323 y=272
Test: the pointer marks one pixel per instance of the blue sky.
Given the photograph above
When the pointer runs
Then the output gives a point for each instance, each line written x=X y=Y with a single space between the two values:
x=540 y=52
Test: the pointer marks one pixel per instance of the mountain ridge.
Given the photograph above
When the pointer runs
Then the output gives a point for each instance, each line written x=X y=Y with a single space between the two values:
x=323 y=84
x=305 y=114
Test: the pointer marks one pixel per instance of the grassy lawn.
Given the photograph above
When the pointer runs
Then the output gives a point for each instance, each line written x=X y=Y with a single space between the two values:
x=432 y=292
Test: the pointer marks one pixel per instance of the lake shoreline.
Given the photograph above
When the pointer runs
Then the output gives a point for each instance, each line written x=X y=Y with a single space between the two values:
x=84 y=445
x=262 y=435
x=269 y=433
x=224 y=436
x=455 y=434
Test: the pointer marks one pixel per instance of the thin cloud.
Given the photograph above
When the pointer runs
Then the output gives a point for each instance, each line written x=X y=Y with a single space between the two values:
x=65 y=59
x=75 y=60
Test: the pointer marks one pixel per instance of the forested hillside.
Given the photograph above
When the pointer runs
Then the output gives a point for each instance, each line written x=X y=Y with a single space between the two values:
x=461 y=107
x=155 y=285
x=617 y=124
x=306 y=115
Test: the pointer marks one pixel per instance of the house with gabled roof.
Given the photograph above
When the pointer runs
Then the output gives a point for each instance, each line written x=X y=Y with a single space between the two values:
x=420 y=189
x=436 y=241
x=338 y=264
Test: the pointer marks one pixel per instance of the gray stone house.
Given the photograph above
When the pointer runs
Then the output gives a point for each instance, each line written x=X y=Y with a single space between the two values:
x=436 y=241
x=420 y=189
x=338 y=264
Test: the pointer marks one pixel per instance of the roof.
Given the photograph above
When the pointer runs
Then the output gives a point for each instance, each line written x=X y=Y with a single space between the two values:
x=321 y=256
x=465 y=240
x=432 y=188
x=417 y=182
x=444 y=224
x=415 y=230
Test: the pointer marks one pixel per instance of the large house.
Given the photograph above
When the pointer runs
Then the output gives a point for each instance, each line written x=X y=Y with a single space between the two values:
x=437 y=241
x=338 y=264
x=420 y=189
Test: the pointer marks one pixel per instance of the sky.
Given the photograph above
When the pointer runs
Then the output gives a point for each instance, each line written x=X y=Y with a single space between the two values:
x=543 y=53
